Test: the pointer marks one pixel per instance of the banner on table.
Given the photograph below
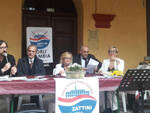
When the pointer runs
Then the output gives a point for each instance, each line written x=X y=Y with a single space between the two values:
x=42 y=38
x=77 y=95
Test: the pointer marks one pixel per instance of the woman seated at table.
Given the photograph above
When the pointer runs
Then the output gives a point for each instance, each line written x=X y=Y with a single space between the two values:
x=109 y=65
x=65 y=61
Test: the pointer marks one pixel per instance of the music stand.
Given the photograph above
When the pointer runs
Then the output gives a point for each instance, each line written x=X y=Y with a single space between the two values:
x=136 y=79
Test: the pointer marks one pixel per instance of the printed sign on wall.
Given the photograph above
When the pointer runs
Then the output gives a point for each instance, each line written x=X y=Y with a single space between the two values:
x=42 y=38
x=77 y=95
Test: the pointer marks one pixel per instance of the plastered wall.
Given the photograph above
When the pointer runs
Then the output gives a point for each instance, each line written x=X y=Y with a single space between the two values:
x=10 y=25
x=128 y=30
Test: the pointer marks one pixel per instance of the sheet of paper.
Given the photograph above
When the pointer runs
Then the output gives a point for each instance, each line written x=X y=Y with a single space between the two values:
x=91 y=69
x=4 y=78
x=17 y=78
x=92 y=66
x=37 y=78
x=7 y=78
x=93 y=62
x=100 y=77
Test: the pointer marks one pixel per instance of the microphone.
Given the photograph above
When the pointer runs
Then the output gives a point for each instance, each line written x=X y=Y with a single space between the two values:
x=5 y=54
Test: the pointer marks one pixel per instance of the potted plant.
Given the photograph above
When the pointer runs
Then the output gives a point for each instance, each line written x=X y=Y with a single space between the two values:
x=75 y=71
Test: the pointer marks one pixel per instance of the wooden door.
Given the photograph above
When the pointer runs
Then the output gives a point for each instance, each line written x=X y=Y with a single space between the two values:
x=148 y=26
x=64 y=32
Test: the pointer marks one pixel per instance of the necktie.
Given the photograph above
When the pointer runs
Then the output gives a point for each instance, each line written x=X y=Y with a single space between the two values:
x=86 y=61
x=31 y=64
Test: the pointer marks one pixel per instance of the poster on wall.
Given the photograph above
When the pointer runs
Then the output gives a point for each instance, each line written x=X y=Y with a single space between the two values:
x=42 y=38
x=77 y=95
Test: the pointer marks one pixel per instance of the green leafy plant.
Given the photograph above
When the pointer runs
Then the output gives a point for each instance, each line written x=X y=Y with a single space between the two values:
x=75 y=71
x=75 y=67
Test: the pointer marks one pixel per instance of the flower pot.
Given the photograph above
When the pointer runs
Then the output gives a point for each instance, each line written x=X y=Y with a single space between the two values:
x=75 y=74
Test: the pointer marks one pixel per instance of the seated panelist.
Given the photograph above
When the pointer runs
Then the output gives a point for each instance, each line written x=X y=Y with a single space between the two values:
x=108 y=67
x=30 y=64
x=7 y=64
x=112 y=63
x=7 y=61
x=86 y=60
x=65 y=61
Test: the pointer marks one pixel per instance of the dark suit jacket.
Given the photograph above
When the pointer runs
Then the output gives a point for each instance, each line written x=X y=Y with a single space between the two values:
x=77 y=59
x=23 y=67
x=2 y=64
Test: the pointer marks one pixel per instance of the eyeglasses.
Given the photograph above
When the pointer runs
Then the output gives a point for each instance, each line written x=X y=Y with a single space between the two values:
x=3 y=47
x=85 y=51
x=67 y=58
x=112 y=51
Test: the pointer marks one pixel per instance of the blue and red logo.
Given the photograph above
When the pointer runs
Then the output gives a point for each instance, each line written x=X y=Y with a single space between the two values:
x=39 y=39
x=77 y=101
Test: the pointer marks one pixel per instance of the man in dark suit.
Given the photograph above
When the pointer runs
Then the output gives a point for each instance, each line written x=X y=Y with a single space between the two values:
x=7 y=64
x=84 y=57
x=31 y=65
x=7 y=61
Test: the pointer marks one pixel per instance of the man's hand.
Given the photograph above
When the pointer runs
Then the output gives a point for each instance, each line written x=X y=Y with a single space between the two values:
x=6 y=67
x=85 y=69
x=13 y=70
x=99 y=72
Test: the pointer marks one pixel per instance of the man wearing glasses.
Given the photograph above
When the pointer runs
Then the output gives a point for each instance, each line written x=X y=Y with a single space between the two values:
x=7 y=61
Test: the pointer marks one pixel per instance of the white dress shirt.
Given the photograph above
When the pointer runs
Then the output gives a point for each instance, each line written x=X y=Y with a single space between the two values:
x=82 y=62
x=58 y=69
x=31 y=60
